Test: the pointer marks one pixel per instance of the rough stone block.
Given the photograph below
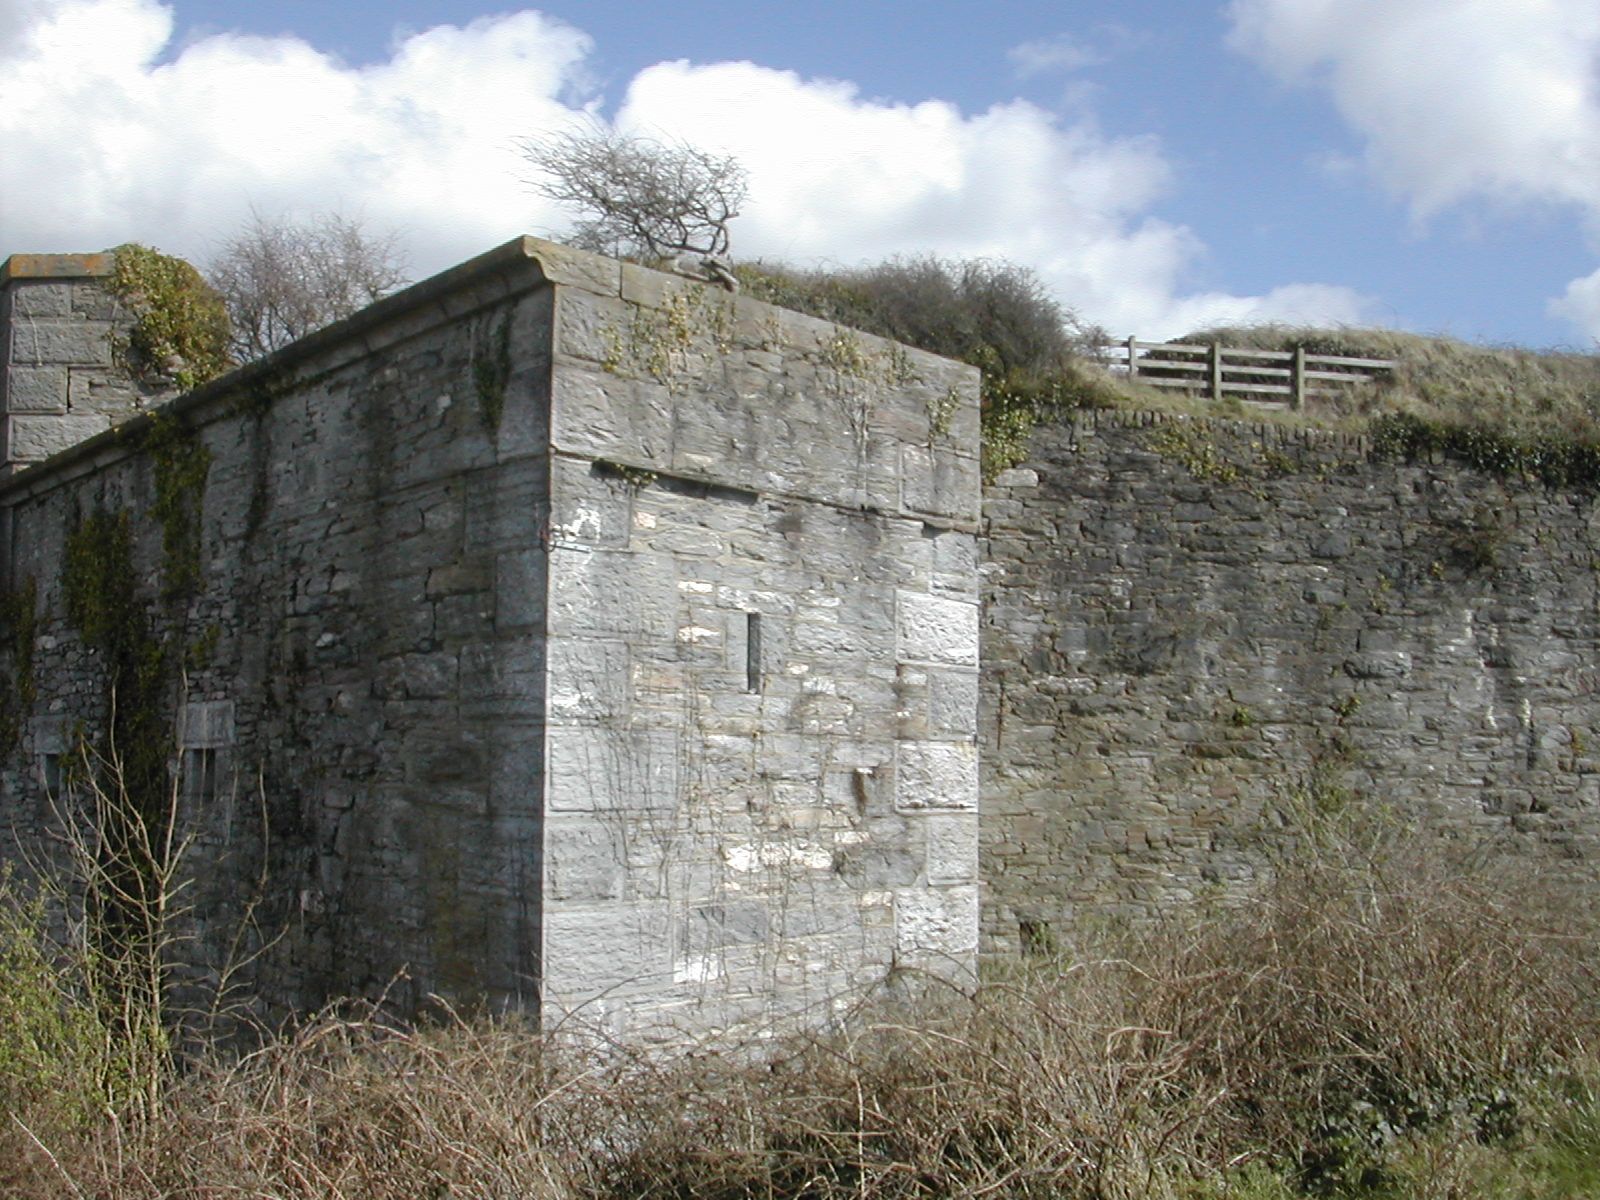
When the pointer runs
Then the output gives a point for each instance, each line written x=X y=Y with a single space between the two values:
x=589 y=679
x=955 y=564
x=588 y=951
x=519 y=589
x=35 y=438
x=597 y=413
x=612 y=592
x=93 y=390
x=952 y=703
x=934 y=629
x=586 y=508
x=36 y=389
x=593 y=328
x=41 y=298
x=933 y=925
x=63 y=341
x=952 y=848
x=939 y=483
x=205 y=724
x=600 y=769
x=584 y=860
x=936 y=775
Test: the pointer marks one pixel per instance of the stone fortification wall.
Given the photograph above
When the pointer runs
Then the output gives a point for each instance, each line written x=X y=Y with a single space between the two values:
x=555 y=633
x=1200 y=635
x=763 y=659
x=287 y=584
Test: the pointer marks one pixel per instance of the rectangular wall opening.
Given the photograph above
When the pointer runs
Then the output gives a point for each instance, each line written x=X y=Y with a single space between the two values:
x=752 y=652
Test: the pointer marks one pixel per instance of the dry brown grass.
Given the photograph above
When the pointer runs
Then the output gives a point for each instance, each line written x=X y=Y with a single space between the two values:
x=1525 y=392
x=1373 y=997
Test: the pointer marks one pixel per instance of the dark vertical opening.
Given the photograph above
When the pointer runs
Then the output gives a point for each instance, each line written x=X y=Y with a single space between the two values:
x=50 y=774
x=752 y=652
x=200 y=773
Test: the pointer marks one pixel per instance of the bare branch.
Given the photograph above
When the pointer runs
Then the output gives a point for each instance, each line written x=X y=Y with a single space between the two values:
x=639 y=198
x=281 y=279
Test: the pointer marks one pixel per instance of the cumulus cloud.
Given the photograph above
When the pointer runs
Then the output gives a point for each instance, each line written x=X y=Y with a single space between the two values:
x=1455 y=100
x=1580 y=305
x=120 y=146
x=126 y=137
x=837 y=176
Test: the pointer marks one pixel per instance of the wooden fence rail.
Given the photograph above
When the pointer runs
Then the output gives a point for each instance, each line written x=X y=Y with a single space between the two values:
x=1266 y=376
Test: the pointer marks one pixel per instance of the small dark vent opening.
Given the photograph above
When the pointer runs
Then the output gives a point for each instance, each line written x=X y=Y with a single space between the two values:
x=752 y=652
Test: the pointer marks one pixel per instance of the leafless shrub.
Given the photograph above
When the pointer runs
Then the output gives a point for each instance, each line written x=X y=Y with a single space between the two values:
x=1322 y=1030
x=639 y=198
x=282 y=279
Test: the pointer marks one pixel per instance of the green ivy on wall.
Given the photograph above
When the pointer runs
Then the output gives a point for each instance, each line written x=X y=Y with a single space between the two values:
x=181 y=463
x=100 y=586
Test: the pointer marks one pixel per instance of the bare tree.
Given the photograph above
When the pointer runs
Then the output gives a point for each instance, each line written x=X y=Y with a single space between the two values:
x=283 y=279
x=641 y=198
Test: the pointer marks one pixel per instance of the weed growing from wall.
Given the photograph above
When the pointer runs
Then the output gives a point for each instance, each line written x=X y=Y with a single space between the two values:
x=179 y=329
x=941 y=412
x=659 y=342
x=1197 y=454
x=491 y=372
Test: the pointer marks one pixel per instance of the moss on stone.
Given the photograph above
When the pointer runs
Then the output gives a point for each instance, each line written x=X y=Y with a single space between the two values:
x=181 y=463
x=18 y=686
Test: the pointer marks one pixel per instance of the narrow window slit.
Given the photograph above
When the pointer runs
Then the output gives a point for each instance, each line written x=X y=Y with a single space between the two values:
x=752 y=652
x=200 y=773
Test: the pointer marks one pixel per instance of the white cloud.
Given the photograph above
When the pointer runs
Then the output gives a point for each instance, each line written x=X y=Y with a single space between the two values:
x=121 y=147
x=1060 y=53
x=1580 y=306
x=1455 y=100
x=837 y=176
x=121 y=144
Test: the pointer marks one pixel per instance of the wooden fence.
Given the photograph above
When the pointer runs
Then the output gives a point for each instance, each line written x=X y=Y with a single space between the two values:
x=1265 y=376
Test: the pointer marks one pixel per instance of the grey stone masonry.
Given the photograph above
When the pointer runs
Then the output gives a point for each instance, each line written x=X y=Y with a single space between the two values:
x=1201 y=635
x=58 y=382
x=567 y=636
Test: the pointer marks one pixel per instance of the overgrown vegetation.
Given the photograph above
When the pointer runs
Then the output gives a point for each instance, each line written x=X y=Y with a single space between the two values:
x=997 y=316
x=1517 y=413
x=179 y=329
x=1512 y=412
x=19 y=619
x=1379 y=1021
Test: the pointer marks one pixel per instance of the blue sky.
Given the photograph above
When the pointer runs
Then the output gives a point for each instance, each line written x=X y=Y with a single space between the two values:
x=1428 y=164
